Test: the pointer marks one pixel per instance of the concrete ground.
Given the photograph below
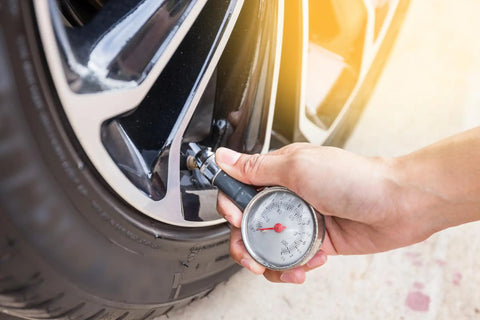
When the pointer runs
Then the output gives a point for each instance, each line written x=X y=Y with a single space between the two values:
x=430 y=89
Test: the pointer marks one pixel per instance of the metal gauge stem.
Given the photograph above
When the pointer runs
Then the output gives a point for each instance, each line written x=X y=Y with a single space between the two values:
x=279 y=229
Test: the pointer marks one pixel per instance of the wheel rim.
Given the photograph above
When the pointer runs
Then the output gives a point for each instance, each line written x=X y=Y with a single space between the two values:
x=114 y=85
x=329 y=47
x=109 y=73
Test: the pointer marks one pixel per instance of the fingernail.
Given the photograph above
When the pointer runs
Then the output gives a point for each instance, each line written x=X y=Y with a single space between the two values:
x=247 y=263
x=317 y=260
x=226 y=156
x=289 y=277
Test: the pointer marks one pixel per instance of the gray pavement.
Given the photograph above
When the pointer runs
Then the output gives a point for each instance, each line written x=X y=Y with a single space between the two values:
x=430 y=89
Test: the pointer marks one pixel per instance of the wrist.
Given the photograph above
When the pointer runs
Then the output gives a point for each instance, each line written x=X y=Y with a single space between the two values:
x=419 y=207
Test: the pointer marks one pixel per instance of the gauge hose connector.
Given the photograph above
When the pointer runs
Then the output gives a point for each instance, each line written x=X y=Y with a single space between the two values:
x=204 y=159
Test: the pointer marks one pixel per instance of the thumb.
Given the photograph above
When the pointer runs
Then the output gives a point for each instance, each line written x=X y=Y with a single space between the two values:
x=255 y=169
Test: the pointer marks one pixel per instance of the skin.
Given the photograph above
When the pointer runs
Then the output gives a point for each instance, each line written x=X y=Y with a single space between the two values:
x=371 y=204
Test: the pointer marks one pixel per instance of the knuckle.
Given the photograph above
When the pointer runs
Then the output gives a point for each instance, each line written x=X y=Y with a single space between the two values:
x=296 y=163
x=295 y=147
x=252 y=164
x=297 y=166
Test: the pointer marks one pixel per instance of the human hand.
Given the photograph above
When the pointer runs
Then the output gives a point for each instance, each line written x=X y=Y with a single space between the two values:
x=356 y=194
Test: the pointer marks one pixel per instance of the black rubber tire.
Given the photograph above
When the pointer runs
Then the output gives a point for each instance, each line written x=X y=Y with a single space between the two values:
x=69 y=246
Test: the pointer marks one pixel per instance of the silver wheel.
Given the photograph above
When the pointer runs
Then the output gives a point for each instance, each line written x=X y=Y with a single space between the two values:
x=137 y=81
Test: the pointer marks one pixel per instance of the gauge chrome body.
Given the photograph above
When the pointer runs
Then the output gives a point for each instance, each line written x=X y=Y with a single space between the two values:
x=301 y=232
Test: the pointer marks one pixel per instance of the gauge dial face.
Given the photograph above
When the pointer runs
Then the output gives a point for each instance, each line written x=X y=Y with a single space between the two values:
x=279 y=228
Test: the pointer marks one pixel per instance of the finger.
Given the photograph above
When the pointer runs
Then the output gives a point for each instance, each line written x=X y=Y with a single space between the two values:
x=318 y=260
x=296 y=275
x=256 y=169
x=240 y=255
x=331 y=229
x=229 y=210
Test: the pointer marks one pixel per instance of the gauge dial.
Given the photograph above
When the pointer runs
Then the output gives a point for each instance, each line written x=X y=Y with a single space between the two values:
x=280 y=230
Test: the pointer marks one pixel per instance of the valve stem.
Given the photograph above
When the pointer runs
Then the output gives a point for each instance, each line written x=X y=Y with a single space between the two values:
x=191 y=163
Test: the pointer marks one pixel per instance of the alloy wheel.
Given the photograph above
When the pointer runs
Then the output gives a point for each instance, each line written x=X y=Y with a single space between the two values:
x=139 y=80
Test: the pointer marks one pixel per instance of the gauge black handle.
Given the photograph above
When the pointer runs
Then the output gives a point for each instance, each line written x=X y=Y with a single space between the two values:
x=241 y=194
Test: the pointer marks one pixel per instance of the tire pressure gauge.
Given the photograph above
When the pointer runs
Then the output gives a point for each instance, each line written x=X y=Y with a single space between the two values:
x=279 y=229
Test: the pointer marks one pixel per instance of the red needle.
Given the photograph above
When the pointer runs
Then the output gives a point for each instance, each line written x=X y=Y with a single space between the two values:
x=278 y=227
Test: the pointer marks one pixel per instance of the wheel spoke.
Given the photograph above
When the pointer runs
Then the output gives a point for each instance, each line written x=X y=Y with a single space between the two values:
x=119 y=49
x=130 y=48
x=116 y=67
x=172 y=202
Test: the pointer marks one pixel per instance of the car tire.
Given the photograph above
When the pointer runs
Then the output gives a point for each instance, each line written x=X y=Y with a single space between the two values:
x=69 y=246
